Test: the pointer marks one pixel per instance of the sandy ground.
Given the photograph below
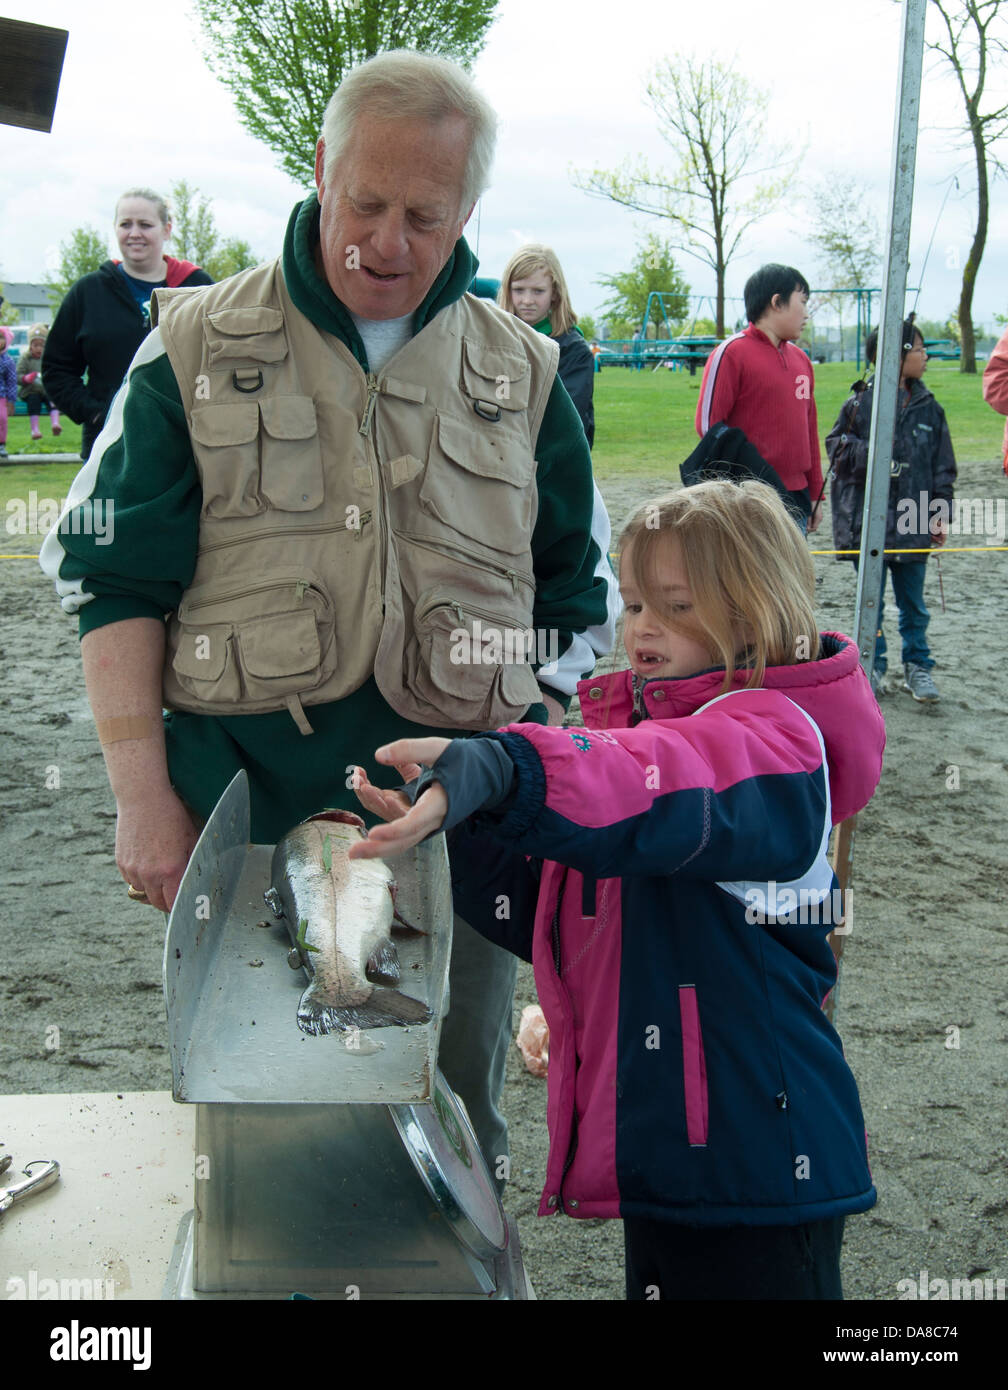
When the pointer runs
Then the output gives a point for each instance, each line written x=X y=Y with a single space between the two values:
x=922 y=1007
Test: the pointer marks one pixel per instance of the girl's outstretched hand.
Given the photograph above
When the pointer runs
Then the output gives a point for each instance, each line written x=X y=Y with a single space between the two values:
x=407 y=824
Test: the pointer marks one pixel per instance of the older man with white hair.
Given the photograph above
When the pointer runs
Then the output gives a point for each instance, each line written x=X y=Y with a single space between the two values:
x=321 y=471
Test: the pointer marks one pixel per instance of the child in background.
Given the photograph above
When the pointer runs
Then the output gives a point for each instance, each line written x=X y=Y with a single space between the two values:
x=30 y=386
x=533 y=288
x=924 y=471
x=677 y=907
x=760 y=382
x=8 y=385
x=995 y=388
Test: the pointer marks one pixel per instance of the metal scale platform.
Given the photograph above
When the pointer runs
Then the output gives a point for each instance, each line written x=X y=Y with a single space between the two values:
x=336 y=1166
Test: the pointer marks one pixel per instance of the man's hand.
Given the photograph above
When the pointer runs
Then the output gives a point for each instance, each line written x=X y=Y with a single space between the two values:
x=407 y=825
x=815 y=518
x=939 y=532
x=154 y=839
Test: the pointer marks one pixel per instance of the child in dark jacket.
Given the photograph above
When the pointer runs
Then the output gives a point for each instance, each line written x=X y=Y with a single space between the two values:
x=919 y=508
x=677 y=904
x=533 y=288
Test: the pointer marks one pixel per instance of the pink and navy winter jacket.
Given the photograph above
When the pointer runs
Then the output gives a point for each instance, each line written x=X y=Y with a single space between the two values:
x=676 y=912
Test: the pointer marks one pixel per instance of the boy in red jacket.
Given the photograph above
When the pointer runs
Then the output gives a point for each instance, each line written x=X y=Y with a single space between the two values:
x=760 y=383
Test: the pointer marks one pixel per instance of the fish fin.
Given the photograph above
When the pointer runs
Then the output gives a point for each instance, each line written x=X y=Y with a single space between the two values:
x=385 y=1009
x=382 y=966
x=400 y=924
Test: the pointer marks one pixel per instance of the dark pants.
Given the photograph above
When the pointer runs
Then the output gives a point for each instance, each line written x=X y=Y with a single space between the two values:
x=37 y=405
x=668 y=1261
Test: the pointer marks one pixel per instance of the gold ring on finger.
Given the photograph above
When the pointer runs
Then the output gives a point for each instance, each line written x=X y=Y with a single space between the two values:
x=137 y=894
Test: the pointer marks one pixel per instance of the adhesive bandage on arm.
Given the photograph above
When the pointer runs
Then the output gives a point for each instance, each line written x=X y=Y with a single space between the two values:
x=131 y=726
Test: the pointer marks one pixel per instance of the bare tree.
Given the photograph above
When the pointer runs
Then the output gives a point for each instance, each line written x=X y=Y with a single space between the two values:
x=728 y=176
x=847 y=235
x=973 y=37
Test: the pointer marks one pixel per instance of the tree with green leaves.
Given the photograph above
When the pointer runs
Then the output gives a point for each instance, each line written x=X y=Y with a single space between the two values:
x=729 y=175
x=653 y=270
x=195 y=236
x=8 y=314
x=83 y=252
x=847 y=235
x=973 y=39
x=283 y=59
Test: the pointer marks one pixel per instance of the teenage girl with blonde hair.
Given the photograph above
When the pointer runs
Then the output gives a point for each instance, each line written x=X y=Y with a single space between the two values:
x=678 y=903
x=533 y=288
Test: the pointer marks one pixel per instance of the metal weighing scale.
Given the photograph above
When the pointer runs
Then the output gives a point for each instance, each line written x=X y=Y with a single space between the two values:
x=339 y=1166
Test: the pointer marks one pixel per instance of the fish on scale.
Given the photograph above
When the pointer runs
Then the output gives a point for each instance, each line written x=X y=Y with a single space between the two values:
x=339 y=914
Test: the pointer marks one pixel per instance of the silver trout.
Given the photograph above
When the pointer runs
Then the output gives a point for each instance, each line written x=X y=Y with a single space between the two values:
x=339 y=914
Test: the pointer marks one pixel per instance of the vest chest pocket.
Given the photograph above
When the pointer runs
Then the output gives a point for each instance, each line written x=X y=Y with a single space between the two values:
x=258 y=453
x=291 y=454
x=226 y=443
x=255 y=642
x=479 y=481
x=495 y=375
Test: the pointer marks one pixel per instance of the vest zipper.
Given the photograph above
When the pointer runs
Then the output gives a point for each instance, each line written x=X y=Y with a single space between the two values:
x=299 y=586
x=289 y=531
x=372 y=388
x=456 y=608
x=477 y=561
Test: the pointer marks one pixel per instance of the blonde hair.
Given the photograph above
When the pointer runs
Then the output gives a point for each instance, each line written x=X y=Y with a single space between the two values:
x=149 y=196
x=526 y=261
x=404 y=85
x=748 y=571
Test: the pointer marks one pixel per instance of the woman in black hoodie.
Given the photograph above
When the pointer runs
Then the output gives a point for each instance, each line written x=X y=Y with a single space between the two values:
x=105 y=316
x=533 y=289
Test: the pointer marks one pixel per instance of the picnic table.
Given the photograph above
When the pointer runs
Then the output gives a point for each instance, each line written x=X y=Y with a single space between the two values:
x=656 y=352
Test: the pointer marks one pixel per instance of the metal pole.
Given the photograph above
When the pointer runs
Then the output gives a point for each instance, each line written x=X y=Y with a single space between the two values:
x=888 y=358
x=886 y=389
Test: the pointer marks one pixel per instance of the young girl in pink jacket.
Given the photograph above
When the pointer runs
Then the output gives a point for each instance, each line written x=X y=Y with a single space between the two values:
x=664 y=868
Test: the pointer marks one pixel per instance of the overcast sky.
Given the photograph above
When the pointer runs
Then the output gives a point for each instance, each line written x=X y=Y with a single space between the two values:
x=138 y=105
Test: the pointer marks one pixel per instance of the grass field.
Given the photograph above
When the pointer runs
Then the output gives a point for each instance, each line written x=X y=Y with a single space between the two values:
x=643 y=426
x=644 y=420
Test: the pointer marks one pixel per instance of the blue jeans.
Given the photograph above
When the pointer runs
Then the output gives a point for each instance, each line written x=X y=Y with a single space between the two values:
x=908 y=588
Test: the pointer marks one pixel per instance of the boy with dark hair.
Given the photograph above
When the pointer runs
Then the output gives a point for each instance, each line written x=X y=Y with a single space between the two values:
x=920 y=501
x=759 y=382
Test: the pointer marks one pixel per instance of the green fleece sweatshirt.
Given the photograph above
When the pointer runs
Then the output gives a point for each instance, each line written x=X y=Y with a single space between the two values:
x=143 y=468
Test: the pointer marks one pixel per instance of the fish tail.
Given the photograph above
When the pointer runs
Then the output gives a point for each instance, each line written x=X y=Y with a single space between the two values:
x=385 y=1008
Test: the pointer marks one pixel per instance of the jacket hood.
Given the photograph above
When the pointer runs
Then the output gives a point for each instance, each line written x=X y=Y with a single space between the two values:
x=833 y=690
x=176 y=272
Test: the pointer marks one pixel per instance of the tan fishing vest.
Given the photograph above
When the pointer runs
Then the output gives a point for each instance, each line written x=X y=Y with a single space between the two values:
x=356 y=523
